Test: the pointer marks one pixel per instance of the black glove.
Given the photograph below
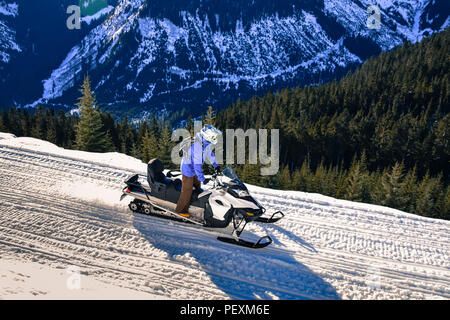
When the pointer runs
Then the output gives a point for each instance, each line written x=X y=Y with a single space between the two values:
x=206 y=181
x=218 y=170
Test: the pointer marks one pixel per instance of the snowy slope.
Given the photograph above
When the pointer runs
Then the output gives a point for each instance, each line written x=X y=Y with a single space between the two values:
x=60 y=208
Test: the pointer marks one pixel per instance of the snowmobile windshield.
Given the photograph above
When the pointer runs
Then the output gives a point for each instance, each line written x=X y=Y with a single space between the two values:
x=229 y=173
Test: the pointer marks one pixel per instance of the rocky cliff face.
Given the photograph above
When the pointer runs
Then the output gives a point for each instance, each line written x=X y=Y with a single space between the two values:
x=145 y=56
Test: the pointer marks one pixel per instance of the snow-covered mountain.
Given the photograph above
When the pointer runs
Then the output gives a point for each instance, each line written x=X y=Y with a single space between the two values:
x=60 y=210
x=8 y=44
x=147 y=55
x=34 y=39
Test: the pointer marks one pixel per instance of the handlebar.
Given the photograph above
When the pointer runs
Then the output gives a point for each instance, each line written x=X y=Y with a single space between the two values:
x=214 y=178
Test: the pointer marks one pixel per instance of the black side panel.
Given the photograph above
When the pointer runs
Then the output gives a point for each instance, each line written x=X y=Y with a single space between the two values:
x=173 y=193
x=199 y=202
x=158 y=190
x=214 y=223
x=132 y=181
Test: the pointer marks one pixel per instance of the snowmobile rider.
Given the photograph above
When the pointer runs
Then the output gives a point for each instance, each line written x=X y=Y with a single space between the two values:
x=191 y=166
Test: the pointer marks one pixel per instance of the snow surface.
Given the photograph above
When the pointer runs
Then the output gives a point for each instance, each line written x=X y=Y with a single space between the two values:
x=60 y=208
x=6 y=136
x=9 y=9
x=30 y=280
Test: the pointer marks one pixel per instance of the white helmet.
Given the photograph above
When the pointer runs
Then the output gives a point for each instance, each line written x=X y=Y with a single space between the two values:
x=210 y=133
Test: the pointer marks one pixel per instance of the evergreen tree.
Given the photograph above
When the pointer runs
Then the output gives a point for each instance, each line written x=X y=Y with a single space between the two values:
x=165 y=147
x=355 y=182
x=341 y=182
x=190 y=125
x=145 y=155
x=90 y=134
x=143 y=129
x=210 y=117
x=250 y=173
x=149 y=147
x=446 y=205
x=408 y=191
x=126 y=136
x=330 y=182
x=51 y=130
x=297 y=180
x=437 y=196
x=135 y=151
x=285 y=178
x=51 y=126
x=304 y=178
x=113 y=131
x=39 y=128
x=5 y=120
x=26 y=123
x=378 y=195
x=424 y=201
x=392 y=185
x=154 y=128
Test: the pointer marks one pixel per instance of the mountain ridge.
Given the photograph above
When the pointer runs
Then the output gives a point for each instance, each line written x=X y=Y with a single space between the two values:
x=183 y=56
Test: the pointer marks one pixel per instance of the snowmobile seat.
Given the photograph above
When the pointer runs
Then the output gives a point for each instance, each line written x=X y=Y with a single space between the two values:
x=156 y=177
x=155 y=172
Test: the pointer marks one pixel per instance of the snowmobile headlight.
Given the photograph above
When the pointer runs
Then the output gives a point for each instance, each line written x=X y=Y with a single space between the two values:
x=242 y=193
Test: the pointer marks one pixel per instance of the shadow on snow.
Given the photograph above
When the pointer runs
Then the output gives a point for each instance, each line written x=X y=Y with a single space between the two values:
x=241 y=273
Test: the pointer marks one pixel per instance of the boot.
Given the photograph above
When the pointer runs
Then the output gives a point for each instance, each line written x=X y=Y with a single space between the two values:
x=185 y=214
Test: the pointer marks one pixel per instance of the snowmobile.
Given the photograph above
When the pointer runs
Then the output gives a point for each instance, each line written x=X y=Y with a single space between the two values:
x=225 y=209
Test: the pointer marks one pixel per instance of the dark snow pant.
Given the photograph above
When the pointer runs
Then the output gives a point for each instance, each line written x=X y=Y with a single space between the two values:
x=188 y=183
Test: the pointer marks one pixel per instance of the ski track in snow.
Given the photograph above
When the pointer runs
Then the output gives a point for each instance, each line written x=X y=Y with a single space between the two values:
x=61 y=208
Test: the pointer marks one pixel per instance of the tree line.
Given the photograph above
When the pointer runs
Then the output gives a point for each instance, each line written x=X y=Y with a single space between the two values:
x=380 y=135
x=91 y=130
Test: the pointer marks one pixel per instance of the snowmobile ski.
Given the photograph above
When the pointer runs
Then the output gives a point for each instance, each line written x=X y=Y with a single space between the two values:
x=272 y=219
x=261 y=243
